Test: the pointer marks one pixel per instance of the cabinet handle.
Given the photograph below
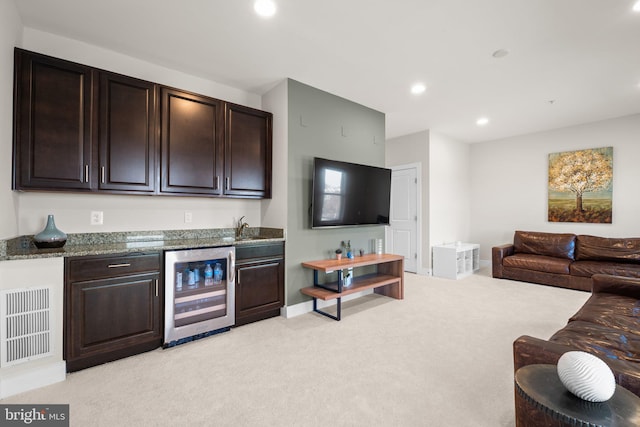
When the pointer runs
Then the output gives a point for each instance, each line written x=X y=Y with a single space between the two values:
x=86 y=173
x=217 y=182
x=238 y=278
x=156 y=287
x=226 y=183
x=102 y=174
x=119 y=265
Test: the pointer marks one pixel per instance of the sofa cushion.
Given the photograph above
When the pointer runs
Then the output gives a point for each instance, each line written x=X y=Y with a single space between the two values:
x=557 y=245
x=589 y=268
x=608 y=343
x=593 y=248
x=613 y=311
x=543 y=263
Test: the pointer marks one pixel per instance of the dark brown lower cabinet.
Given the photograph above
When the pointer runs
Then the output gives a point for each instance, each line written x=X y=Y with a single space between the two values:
x=259 y=282
x=113 y=308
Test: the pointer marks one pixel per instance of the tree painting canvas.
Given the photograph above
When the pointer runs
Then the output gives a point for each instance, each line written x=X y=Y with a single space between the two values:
x=581 y=186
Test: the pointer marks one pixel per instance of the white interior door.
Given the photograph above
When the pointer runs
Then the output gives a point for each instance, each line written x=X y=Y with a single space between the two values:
x=404 y=216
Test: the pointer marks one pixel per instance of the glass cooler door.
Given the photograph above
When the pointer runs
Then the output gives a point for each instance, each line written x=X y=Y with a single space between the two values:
x=200 y=291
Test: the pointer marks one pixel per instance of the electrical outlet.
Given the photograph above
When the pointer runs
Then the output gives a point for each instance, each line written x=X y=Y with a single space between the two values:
x=188 y=217
x=97 y=217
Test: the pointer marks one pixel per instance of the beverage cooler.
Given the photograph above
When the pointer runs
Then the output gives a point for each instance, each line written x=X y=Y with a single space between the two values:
x=199 y=293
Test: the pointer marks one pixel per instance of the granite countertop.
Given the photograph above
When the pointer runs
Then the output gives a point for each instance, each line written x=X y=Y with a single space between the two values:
x=83 y=244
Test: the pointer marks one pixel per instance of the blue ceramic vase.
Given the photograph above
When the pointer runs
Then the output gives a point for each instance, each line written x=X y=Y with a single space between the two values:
x=50 y=237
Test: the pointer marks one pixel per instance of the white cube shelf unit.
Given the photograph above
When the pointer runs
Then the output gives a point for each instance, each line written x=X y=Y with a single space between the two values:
x=456 y=260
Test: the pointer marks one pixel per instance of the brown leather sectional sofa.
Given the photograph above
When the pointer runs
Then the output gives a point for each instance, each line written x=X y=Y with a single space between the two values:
x=607 y=325
x=565 y=260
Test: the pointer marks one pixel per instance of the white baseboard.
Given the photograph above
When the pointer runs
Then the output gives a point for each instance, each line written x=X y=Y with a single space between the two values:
x=36 y=377
x=307 y=306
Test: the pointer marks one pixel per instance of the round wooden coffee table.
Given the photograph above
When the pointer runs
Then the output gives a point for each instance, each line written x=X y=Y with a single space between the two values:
x=543 y=401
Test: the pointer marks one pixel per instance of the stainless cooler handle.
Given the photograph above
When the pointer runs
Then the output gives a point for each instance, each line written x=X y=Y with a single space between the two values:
x=231 y=271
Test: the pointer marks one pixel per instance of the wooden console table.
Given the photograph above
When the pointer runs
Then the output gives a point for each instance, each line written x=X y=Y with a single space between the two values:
x=388 y=280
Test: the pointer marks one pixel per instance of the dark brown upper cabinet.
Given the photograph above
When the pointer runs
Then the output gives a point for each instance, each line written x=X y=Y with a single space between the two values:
x=248 y=150
x=79 y=128
x=192 y=132
x=53 y=123
x=127 y=141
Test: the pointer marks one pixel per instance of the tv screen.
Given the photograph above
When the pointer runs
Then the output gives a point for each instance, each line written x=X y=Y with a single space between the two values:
x=349 y=194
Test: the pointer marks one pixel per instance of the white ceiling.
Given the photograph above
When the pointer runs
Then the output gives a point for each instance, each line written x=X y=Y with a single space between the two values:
x=582 y=54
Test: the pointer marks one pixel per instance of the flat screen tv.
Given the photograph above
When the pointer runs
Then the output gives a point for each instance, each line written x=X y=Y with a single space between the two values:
x=349 y=194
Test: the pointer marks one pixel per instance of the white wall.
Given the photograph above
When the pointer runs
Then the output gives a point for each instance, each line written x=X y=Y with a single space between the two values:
x=94 y=56
x=509 y=182
x=446 y=185
x=449 y=190
x=10 y=36
x=411 y=149
x=48 y=273
x=129 y=212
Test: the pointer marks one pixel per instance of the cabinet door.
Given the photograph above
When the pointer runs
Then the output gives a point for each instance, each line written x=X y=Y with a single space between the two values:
x=53 y=116
x=248 y=152
x=113 y=307
x=192 y=132
x=259 y=290
x=111 y=318
x=127 y=142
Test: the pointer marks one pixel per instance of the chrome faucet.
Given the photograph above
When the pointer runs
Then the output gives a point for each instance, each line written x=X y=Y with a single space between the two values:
x=240 y=226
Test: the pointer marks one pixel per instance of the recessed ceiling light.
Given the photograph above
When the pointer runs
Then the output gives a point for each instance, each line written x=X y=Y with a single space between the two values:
x=636 y=6
x=265 y=8
x=500 y=53
x=482 y=121
x=418 y=88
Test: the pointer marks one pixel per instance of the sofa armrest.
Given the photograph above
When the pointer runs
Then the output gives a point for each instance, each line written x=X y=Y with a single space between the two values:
x=531 y=351
x=627 y=286
x=497 y=255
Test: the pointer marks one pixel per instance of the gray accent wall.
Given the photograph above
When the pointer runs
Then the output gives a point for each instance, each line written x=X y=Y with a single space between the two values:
x=324 y=125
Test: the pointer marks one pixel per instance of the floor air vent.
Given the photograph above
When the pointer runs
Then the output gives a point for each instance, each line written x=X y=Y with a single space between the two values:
x=26 y=325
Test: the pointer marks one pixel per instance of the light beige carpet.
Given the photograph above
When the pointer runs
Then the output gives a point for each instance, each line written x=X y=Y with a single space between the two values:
x=440 y=357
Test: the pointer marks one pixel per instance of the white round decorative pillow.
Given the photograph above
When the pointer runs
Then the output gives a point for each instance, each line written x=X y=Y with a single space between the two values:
x=586 y=376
